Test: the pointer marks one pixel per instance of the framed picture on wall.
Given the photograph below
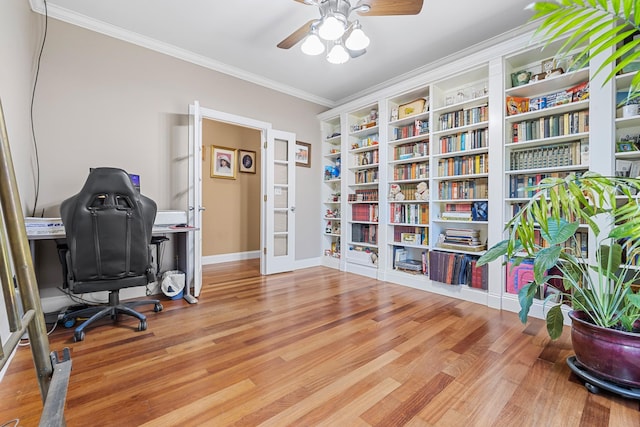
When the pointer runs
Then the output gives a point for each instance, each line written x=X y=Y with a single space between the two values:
x=303 y=154
x=247 y=161
x=223 y=162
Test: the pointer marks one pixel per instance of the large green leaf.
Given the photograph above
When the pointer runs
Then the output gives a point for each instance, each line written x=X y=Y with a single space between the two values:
x=496 y=251
x=555 y=321
x=559 y=230
x=525 y=298
x=545 y=259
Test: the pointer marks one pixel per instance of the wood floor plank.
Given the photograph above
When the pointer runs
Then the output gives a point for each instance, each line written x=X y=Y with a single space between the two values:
x=316 y=347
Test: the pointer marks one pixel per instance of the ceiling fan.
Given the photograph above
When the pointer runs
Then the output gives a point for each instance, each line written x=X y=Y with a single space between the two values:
x=343 y=38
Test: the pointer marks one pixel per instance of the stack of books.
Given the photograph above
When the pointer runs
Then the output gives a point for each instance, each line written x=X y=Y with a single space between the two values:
x=461 y=239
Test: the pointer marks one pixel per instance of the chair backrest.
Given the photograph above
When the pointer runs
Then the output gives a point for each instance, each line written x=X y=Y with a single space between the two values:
x=108 y=226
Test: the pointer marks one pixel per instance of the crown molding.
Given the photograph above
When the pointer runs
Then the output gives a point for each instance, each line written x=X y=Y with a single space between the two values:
x=83 y=21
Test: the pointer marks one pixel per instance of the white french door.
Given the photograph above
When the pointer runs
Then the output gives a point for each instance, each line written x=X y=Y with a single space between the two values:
x=279 y=204
x=277 y=215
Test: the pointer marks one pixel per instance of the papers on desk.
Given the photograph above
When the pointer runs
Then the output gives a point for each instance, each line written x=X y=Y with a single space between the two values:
x=43 y=226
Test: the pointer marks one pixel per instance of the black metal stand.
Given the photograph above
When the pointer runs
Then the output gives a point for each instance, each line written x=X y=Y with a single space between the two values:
x=594 y=384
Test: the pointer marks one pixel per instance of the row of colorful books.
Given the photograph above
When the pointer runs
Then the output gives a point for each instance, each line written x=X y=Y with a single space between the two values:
x=476 y=138
x=464 y=165
x=363 y=195
x=522 y=186
x=409 y=213
x=366 y=176
x=555 y=155
x=457 y=269
x=467 y=189
x=411 y=171
x=411 y=150
x=419 y=127
x=464 y=117
x=551 y=126
x=364 y=212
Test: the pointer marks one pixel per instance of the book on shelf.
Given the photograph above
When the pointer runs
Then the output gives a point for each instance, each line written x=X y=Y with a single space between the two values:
x=411 y=150
x=363 y=195
x=550 y=126
x=464 y=189
x=572 y=153
x=464 y=117
x=409 y=213
x=457 y=269
x=471 y=140
x=464 y=165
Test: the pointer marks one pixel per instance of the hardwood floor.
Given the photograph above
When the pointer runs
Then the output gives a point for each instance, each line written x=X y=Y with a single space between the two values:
x=317 y=347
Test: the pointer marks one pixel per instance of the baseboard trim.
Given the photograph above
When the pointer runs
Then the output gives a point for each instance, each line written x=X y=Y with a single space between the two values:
x=238 y=256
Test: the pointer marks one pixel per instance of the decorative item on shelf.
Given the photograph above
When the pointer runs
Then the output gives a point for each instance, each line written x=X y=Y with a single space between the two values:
x=480 y=211
x=395 y=192
x=422 y=191
x=328 y=228
x=412 y=108
x=520 y=78
x=517 y=105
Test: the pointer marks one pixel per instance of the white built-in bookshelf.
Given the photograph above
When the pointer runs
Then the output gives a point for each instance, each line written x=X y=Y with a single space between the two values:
x=474 y=138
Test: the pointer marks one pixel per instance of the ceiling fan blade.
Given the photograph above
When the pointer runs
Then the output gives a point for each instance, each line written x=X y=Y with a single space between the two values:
x=296 y=36
x=391 y=7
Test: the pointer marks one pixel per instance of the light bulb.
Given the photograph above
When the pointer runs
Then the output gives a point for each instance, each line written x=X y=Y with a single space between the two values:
x=331 y=28
x=312 y=45
x=338 y=54
x=357 y=40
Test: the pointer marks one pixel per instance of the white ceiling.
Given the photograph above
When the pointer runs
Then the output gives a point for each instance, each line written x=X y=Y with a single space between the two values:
x=239 y=37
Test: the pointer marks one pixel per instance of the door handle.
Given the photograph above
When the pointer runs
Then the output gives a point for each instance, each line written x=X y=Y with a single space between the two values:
x=293 y=208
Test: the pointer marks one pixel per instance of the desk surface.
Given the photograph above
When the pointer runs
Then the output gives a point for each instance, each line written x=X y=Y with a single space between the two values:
x=157 y=231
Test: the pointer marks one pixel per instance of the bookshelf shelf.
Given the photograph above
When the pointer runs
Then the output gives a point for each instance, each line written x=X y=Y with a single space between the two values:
x=461 y=177
x=570 y=168
x=460 y=129
x=468 y=152
x=550 y=85
x=458 y=221
x=546 y=141
x=421 y=137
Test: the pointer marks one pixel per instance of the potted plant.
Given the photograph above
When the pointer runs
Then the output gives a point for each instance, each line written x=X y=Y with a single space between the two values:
x=598 y=292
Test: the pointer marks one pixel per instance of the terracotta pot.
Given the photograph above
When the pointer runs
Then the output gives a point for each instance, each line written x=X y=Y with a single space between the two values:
x=608 y=353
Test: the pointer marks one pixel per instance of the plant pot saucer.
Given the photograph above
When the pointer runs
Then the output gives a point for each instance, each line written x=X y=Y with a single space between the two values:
x=594 y=384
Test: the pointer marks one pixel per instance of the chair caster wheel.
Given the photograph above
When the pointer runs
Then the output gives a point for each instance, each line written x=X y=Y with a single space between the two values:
x=143 y=325
x=78 y=336
x=592 y=388
x=158 y=307
x=68 y=322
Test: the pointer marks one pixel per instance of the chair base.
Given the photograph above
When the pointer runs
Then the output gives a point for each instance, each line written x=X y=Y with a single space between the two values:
x=113 y=309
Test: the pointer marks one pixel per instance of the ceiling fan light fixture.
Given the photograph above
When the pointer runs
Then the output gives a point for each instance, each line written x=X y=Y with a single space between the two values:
x=312 y=44
x=357 y=39
x=338 y=54
x=332 y=28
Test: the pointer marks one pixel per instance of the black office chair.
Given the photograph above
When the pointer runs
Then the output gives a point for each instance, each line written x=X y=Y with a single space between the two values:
x=108 y=232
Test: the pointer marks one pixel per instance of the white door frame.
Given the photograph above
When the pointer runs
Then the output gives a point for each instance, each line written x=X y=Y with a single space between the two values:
x=195 y=181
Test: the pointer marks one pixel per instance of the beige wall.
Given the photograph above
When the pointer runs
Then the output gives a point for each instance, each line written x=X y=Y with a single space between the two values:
x=102 y=101
x=231 y=221
x=105 y=102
